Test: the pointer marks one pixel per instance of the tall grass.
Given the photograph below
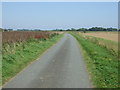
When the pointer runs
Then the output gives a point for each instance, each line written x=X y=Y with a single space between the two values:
x=112 y=46
x=101 y=63
x=21 y=36
x=16 y=56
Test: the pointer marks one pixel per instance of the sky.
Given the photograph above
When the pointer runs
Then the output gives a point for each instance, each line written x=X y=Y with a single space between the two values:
x=59 y=15
x=0 y=14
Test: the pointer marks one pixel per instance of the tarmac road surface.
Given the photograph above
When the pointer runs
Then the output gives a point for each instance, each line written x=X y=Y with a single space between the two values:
x=61 y=66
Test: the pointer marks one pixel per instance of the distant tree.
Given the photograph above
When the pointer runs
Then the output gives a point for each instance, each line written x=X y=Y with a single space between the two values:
x=68 y=30
x=6 y=30
x=36 y=30
x=82 y=29
x=72 y=29
x=10 y=29
x=60 y=30
x=97 y=29
x=111 y=29
x=79 y=29
x=1 y=29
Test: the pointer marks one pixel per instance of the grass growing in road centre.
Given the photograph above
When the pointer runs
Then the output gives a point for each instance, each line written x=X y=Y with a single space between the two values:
x=101 y=63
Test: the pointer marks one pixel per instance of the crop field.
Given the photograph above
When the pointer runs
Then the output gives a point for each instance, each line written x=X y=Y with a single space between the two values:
x=11 y=37
x=106 y=35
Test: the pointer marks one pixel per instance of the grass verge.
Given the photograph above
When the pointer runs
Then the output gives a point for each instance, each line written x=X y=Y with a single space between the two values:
x=101 y=63
x=112 y=46
x=18 y=56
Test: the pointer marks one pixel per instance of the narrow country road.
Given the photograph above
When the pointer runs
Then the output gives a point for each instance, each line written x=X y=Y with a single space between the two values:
x=61 y=66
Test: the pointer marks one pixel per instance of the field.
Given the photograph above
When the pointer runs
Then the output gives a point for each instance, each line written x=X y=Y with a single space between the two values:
x=21 y=48
x=100 y=51
x=105 y=35
x=12 y=37
x=101 y=56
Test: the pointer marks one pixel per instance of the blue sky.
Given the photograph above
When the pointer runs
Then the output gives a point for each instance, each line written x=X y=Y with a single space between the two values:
x=0 y=14
x=59 y=15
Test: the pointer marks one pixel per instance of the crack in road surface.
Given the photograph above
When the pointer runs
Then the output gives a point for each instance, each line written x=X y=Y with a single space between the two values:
x=62 y=66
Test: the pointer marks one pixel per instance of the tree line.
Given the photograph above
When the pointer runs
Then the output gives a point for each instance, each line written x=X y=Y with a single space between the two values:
x=7 y=30
x=72 y=29
x=90 y=29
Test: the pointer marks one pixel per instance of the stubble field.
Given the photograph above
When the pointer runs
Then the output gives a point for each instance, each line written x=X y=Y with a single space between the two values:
x=105 y=35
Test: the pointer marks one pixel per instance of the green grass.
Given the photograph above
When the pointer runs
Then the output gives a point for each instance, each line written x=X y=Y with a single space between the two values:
x=18 y=56
x=0 y=60
x=112 y=46
x=0 y=68
x=101 y=63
